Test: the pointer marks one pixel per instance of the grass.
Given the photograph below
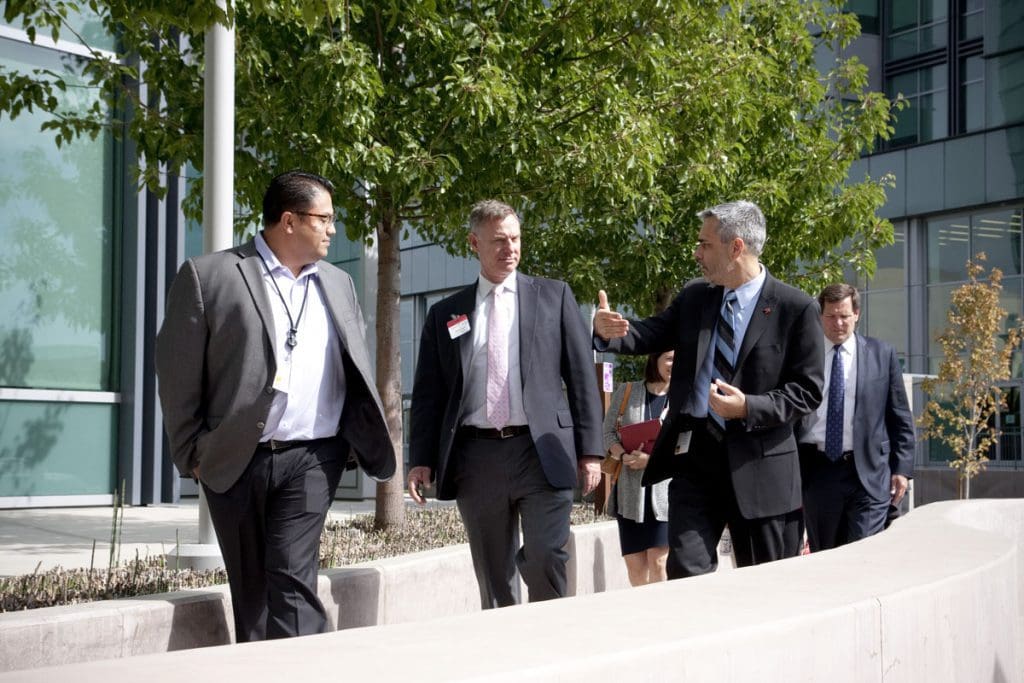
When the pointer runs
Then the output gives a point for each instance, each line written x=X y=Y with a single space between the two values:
x=342 y=543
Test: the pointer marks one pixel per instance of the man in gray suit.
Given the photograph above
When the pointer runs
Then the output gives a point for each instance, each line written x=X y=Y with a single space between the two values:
x=267 y=391
x=490 y=419
x=857 y=449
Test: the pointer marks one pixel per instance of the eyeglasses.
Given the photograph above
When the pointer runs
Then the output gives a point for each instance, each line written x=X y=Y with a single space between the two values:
x=325 y=218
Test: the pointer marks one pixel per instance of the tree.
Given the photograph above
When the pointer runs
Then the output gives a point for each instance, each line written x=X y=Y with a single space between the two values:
x=977 y=355
x=607 y=123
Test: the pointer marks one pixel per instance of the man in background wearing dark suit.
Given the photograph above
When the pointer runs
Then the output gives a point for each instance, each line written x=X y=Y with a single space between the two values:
x=747 y=350
x=857 y=449
x=266 y=386
x=491 y=422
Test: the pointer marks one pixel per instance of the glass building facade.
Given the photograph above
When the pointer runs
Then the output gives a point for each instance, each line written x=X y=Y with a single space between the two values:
x=958 y=159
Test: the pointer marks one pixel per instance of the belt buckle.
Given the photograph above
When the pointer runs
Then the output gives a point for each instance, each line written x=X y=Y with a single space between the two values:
x=505 y=432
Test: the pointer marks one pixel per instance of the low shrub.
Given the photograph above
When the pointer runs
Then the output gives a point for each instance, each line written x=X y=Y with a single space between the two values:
x=343 y=543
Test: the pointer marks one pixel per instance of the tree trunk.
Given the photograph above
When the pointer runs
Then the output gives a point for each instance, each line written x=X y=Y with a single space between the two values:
x=390 y=506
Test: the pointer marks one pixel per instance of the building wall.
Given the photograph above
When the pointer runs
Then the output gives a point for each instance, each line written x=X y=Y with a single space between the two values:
x=957 y=158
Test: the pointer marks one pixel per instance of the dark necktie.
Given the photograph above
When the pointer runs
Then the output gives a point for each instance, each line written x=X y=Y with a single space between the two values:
x=725 y=353
x=834 y=416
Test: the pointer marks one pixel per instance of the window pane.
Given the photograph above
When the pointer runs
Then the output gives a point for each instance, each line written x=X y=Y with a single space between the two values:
x=948 y=249
x=889 y=261
x=81 y=21
x=887 y=317
x=1004 y=78
x=56 y=225
x=972 y=94
x=1005 y=21
x=972 y=23
x=1009 y=426
x=407 y=332
x=902 y=14
x=933 y=10
x=903 y=45
x=933 y=37
x=938 y=309
x=997 y=233
x=55 y=449
x=933 y=116
x=867 y=14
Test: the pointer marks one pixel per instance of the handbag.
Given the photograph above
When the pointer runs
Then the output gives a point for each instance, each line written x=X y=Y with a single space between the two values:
x=612 y=466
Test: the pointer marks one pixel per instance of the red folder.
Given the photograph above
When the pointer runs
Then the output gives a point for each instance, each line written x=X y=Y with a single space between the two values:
x=639 y=436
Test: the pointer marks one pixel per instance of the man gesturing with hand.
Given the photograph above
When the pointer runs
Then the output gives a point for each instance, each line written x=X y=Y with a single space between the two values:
x=747 y=367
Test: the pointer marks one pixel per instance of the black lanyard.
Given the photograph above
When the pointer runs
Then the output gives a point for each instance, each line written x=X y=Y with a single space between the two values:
x=293 y=328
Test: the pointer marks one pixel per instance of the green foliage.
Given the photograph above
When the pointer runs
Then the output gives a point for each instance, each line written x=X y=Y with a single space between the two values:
x=977 y=354
x=608 y=123
x=342 y=543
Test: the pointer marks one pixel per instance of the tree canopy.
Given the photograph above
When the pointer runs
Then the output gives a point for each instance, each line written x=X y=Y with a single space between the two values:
x=607 y=123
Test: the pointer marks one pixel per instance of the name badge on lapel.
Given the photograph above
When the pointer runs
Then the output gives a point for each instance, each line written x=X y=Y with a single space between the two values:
x=458 y=326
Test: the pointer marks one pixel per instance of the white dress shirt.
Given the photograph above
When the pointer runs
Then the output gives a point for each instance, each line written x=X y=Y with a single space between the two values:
x=474 y=359
x=817 y=433
x=309 y=386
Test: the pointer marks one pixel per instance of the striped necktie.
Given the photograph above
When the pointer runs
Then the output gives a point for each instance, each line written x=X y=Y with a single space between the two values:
x=725 y=353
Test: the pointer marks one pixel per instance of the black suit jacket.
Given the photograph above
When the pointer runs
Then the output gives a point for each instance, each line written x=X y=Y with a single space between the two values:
x=553 y=348
x=883 y=426
x=778 y=368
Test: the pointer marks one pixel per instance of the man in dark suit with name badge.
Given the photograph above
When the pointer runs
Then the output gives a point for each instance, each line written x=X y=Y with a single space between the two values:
x=857 y=449
x=267 y=389
x=491 y=422
x=746 y=369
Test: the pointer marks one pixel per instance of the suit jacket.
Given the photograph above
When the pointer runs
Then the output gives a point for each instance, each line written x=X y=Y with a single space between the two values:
x=553 y=348
x=215 y=361
x=778 y=368
x=883 y=426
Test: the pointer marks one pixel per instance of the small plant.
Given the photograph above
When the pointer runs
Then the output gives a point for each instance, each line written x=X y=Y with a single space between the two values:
x=342 y=543
x=977 y=355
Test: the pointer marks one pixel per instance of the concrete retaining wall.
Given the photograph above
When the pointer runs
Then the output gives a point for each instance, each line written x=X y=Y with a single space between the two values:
x=426 y=585
x=936 y=598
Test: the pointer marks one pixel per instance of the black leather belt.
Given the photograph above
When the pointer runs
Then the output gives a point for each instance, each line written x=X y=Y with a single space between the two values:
x=276 y=445
x=508 y=432
x=847 y=456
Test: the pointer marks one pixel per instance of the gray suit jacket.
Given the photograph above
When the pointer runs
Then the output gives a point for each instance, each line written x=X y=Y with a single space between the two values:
x=215 y=362
x=883 y=426
x=554 y=347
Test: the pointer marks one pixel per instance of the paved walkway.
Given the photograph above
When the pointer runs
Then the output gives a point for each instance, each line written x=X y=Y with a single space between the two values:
x=45 y=538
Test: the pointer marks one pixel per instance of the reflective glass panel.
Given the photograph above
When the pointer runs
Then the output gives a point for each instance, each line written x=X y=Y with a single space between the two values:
x=948 y=248
x=972 y=94
x=887 y=317
x=889 y=261
x=56 y=225
x=997 y=233
x=56 y=449
x=1004 y=77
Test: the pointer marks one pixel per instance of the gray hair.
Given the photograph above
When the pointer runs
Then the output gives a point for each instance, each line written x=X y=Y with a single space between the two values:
x=487 y=211
x=741 y=219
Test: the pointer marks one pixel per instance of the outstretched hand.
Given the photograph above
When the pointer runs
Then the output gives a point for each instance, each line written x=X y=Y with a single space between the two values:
x=608 y=324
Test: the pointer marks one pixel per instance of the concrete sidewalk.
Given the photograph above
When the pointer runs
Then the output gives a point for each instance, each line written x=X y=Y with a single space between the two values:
x=44 y=538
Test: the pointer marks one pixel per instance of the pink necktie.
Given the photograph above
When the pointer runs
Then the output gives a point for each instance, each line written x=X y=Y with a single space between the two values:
x=497 y=359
